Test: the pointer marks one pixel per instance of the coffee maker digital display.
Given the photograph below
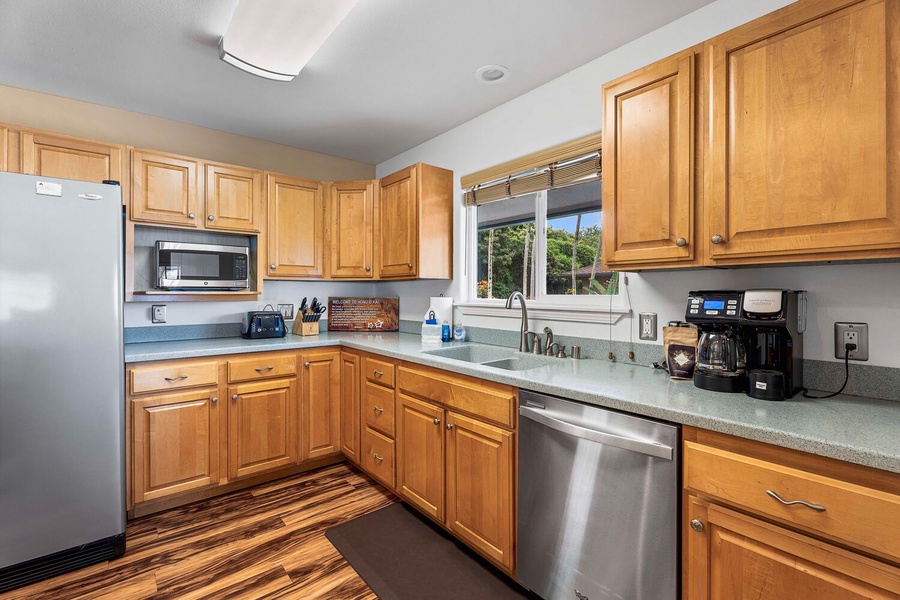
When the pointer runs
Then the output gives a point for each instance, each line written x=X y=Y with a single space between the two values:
x=750 y=341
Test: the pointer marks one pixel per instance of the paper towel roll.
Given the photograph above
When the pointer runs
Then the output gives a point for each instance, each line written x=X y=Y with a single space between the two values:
x=443 y=309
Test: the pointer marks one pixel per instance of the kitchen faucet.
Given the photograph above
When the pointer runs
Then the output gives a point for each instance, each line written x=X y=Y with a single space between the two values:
x=523 y=340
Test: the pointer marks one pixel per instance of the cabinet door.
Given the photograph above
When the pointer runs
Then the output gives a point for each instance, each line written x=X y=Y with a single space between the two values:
x=350 y=402
x=420 y=455
x=4 y=149
x=736 y=556
x=164 y=189
x=262 y=426
x=175 y=443
x=805 y=133
x=397 y=223
x=648 y=200
x=232 y=198
x=296 y=233
x=71 y=158
x=320 y=420
x=351 y=209
x=480 y=487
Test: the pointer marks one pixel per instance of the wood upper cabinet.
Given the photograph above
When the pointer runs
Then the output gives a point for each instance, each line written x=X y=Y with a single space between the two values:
x=175 y=445
x=414 y=224
x=233 y=198
x=4 y=149
x=420 y=455
x=164 y=189
x=480 y=481
x=648 y=149
x=351 y=210
x=53 y=155
x=804 y=143
x=262 y=426
x=350 y=404
x=296 y=232
x=320 y=401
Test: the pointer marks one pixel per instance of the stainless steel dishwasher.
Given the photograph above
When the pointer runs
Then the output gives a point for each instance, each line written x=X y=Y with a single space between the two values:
x=598 y=502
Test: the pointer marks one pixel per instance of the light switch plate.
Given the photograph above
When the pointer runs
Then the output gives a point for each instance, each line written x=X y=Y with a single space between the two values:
x=647 y=326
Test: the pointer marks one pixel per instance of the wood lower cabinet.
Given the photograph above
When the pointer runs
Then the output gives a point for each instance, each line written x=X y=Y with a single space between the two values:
x=420 y=455
x=320 y=401
x=66 y=157
x=232 y=198
x=350 y=405
x=351 y=230
x=648 y=146
x=741 y=541
x=165 y=189
x=262 y=427
x=296 y=233
x=175 y=443
x=480 y=486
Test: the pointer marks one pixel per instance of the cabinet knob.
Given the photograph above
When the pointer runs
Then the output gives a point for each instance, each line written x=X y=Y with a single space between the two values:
x=449 y=426
x=368 y=269
x=306 y=364
x=437 y=421
x=377 y=457
x=235 y=397
x=681 y=242
x=409 y=265
x=272 y=267
x=214 y=400
x=717 y=239
x=378 y=409
x=697 y=525
x=211 y=218
x=191 y=216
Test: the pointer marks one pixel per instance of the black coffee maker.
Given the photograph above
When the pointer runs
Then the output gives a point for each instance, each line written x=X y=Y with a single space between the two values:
x=750 y=341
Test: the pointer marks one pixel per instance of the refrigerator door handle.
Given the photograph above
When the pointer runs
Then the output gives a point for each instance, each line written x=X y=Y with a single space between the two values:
x=600 y=437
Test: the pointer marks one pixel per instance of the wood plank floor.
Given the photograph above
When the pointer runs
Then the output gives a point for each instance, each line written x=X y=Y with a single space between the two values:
x=262 y=542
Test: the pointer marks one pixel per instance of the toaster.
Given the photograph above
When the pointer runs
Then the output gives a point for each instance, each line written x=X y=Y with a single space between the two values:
x=263 y=324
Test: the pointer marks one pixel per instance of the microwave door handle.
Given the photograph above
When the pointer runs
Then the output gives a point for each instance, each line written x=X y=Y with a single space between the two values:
x=600 y=437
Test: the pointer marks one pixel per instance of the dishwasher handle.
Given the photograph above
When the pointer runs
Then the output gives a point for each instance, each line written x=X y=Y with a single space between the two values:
x=601 y=437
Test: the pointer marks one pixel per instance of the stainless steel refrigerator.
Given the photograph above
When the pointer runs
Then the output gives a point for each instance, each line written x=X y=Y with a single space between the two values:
x=62 y=408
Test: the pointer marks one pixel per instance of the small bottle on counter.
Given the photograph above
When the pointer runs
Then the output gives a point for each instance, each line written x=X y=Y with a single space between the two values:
x=445 y=331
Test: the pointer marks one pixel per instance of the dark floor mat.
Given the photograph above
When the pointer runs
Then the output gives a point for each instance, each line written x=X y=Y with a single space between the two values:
x=402 y=556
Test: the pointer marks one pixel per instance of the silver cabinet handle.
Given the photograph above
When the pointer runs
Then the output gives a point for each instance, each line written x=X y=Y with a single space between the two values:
x=437 y=421
x=214 y=400
x=272 y=267
x=697 y=525
x=263 y=369
x=817 y=507
x=717 y=239
x=368 y=269
x=211 y=218
x=378 y=409
x=681 y=242
x=235 y=397
x=449 y=426
x=179 y=378
x=601 y=437
x=377 y=373
x=306 y=364
x=377 y=457
x=191 y=215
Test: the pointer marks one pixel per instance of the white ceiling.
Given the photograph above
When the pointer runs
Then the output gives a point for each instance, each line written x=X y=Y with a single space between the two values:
x=394 y=74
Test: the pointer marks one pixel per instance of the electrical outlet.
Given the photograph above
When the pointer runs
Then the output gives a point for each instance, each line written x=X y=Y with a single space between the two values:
x=648 y=326
x=851 y=333
x=158 y=313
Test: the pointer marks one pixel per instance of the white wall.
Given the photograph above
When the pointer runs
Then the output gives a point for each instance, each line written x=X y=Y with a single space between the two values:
x=570 y=107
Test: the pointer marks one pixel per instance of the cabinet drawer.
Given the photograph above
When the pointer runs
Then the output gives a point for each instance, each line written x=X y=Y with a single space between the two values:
x=173 y=376
x=379 y=371
x=378 y=408
x=378 y=457
x=262 y=366
x=854 y=514
x=486 y=400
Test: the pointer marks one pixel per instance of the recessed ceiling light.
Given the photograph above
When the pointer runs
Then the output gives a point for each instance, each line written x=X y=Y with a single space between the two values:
x=276 y=38
x=491 y=74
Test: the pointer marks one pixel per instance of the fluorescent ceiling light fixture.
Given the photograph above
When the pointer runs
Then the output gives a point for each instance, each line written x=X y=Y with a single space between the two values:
x=276 y=38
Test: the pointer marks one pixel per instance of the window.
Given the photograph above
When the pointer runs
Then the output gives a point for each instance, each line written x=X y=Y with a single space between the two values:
x=539 y=231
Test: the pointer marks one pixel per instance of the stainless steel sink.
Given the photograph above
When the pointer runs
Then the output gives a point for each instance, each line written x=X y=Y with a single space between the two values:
x=494 y=356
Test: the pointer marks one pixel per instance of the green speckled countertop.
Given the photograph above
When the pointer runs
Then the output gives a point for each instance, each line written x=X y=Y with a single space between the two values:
x=859 y=430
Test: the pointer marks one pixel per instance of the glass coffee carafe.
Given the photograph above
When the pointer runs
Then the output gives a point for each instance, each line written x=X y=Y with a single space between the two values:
x=722 y=352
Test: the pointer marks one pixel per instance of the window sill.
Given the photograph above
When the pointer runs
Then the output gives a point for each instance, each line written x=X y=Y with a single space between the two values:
x=546 y=312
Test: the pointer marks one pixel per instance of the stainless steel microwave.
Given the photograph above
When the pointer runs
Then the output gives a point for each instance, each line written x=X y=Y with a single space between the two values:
x=188 y=266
